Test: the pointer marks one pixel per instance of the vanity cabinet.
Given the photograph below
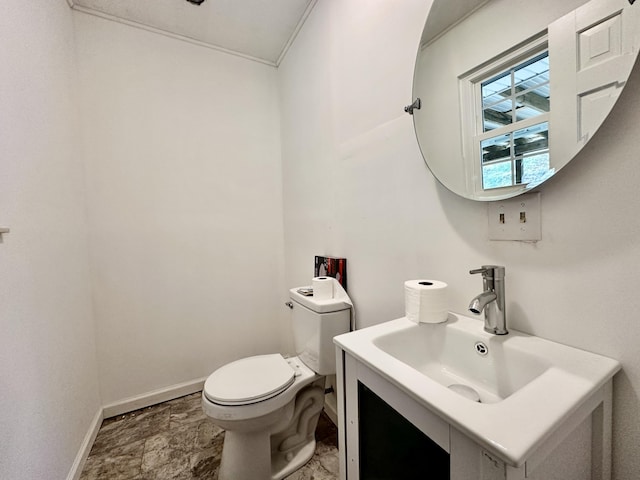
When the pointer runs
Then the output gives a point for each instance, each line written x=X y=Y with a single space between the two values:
x=387 y=434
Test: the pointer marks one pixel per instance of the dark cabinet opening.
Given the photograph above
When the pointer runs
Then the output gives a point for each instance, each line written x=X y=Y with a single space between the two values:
x=391 y=448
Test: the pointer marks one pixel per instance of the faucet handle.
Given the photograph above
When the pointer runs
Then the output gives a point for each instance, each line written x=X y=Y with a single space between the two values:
x=489 y=271
x=482 y=270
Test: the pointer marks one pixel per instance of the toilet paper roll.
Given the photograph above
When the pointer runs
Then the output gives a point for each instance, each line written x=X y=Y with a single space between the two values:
x=426 y=301
x=322 y=288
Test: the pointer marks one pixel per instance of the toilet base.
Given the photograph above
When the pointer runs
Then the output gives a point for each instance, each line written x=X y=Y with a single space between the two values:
x=245 y=456
x=273 y=454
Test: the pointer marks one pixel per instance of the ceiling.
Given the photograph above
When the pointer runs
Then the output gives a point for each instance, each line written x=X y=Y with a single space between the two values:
x=261 y=30
x=444 y=14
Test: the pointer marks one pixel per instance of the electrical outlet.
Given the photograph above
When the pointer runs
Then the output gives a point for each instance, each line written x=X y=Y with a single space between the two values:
x=516 y=219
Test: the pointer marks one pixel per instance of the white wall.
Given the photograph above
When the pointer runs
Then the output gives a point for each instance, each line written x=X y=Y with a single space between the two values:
x=355 y=185
x=185 y=206
x=48 y=371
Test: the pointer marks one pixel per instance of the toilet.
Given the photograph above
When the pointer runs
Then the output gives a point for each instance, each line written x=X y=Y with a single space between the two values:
x=269 y=405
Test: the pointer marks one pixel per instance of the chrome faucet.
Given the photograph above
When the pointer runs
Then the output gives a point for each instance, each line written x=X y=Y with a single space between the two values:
x=491 y=300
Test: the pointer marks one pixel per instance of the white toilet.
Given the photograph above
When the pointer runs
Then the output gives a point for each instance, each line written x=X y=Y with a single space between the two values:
x=268 y=404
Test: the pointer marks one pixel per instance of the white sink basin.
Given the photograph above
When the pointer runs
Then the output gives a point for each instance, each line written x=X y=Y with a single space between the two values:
x=527 y=385
x=494 y=366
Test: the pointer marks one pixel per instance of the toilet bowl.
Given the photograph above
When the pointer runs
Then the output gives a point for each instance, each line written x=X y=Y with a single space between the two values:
x=269 y=405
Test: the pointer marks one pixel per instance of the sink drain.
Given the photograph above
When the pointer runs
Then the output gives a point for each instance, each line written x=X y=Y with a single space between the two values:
x=481 y=348
x=466 y=391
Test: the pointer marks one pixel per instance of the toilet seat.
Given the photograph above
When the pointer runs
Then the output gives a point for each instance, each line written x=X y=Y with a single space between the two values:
x=249 y=380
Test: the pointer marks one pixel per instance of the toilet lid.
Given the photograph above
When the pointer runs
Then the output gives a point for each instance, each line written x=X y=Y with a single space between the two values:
x=249 y=380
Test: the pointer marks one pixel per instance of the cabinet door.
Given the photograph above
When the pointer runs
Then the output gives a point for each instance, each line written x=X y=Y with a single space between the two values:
x=391 y=447
x=388 y=435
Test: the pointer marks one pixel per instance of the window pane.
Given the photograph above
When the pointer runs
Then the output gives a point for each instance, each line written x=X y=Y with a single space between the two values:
x=535 y=168
x=531 y=146
x=496 y=175
x=498 y=115
x=497 y=102
x=531 y=87
x=532 y=74
x=496 y=148
x=532 y=103
x=531 y=139
x=500 y=85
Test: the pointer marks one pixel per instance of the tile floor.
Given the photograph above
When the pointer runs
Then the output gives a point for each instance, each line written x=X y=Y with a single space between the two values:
x=175 y=440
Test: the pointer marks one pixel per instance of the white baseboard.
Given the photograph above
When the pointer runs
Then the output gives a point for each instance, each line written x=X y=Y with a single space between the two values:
x=85 y=447
x=151 y=398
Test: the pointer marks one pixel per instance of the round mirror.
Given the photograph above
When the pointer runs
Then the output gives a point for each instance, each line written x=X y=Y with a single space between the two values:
x=512 y=90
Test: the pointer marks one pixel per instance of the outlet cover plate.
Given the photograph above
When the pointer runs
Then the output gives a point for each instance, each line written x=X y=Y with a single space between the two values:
x=516 y=219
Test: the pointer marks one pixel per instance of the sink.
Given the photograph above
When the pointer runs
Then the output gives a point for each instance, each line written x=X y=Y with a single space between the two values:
x=527 y=386
x=459 y=354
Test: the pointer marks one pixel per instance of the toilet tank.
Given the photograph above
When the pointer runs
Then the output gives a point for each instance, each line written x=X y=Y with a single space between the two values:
x=315 y=323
